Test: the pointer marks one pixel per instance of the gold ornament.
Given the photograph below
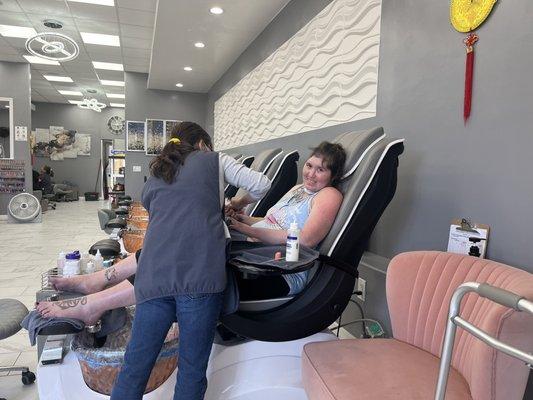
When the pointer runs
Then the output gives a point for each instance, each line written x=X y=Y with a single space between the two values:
x=467 y=15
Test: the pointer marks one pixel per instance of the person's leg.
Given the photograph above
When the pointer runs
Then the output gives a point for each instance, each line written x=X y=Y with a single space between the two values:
x=197 y=317
x=263 y=287
x=91 y=307
x=150 y=326
x=92 y=283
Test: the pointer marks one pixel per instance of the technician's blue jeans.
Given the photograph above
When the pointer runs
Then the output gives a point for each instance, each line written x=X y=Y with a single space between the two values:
x=197 y=316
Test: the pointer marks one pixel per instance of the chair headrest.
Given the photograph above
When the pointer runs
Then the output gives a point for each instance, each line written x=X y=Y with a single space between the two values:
x=264 y=159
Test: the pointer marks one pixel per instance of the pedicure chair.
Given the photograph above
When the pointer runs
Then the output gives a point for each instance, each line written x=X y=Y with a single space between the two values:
x=268 y=363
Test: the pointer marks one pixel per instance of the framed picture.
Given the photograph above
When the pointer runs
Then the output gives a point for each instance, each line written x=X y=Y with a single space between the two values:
x=169 y=125
x=135 y=133
x=155 y=136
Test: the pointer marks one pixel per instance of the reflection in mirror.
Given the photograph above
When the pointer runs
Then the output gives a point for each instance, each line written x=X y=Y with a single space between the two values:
x=5 y=128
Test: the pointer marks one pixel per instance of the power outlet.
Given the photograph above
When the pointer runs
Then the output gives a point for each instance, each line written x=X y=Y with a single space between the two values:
x=361 y=287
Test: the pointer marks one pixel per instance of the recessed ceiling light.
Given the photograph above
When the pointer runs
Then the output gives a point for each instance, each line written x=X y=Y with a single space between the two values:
x=115 y=95
x=70 y=93
x=187 y=68
x=75 y=101
x=100 y=38
x=98 y=2
x=106 y=65
x=39 y=60
x=216 y=10
x=117 y=105
x=54 y=78
x=200 y=45
x=179 y=84
x=111 y=83
x=17 y=31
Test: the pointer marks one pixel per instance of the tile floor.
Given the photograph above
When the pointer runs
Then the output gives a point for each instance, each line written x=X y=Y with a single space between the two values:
x=27 y=250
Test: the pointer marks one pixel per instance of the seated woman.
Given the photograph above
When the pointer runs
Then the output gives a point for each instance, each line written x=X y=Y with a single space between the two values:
x=313 y=205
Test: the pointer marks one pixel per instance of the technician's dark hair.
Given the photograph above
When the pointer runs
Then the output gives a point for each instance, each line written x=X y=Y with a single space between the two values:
x=48 y=171
x=167 y=164
x=333 y=158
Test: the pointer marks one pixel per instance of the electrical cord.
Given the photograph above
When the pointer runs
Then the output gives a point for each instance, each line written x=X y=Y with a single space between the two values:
x=363 y=319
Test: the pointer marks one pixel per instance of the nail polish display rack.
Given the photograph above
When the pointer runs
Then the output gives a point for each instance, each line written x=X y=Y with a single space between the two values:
x=11 y=176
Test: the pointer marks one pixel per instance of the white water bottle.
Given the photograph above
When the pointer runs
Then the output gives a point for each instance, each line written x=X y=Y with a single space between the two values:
x=293 y=243
x=60 y=263
x=98 y=261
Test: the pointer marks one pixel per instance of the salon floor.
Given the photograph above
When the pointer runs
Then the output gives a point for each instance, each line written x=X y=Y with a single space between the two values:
x=27 y=250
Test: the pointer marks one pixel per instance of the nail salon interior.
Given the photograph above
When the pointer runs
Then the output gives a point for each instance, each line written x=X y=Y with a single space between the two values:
x=266 y=199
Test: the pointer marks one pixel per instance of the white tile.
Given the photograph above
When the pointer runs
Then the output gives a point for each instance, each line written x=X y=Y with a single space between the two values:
x=145 y=5
x=136 y=43
x=136 y=17
x=135 y=53
x=135 y=31
x=9 y=5
x=93 y=12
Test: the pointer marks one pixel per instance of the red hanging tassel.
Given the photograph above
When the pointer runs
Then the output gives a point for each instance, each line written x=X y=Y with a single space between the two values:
x=469 y=42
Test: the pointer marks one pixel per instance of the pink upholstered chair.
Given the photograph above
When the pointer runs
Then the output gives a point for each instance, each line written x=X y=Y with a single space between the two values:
x=419 y=289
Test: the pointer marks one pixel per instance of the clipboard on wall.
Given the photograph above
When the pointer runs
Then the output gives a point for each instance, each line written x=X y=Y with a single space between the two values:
x=468 y=238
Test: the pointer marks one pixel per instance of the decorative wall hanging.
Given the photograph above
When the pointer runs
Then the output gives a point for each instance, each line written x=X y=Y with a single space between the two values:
x=115 y=124
x=155 y=136
x=325 y=75
x=466 y=16
x=169 y=125
x=59 y=143
x=135 y=133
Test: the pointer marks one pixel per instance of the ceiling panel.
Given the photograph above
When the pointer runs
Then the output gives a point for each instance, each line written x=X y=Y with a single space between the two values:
x=94 y=12
x=11 y=18
x=137 y=53
x=9 y=5
x=110 y=75
x=136 y=43
x=38 y=24
x=136 y=68
x=146 y=5
x=136 y=17
x=137 y=61
x=8 y=50
x=134 y=31
x=11 y=57
x=53 y=8
x=107 y=28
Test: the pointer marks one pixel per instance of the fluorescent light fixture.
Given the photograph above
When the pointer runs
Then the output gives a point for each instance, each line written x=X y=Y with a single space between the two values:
x=75 y=101
x=110 y=3
x=187 y=68
x=17 y=31
x=112 y=83
x=216 y=10
x=54 y=78
x=117 y=105
x=70 y=92
x=200 y=45
x=39 y=60
x=100 y=38
x=179 y=84
x=109 y=66
x=115 y=95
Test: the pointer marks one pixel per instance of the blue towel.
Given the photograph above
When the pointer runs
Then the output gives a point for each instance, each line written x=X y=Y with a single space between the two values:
x=35 y=322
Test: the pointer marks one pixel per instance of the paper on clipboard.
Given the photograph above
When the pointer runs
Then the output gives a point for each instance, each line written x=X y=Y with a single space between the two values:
x=472 y=242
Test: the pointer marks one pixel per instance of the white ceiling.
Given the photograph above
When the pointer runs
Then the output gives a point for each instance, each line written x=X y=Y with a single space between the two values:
x=178 y=25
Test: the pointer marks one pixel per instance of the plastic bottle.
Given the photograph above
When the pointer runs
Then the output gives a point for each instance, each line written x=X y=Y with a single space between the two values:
x=98 y=261
x=83 y=262
x=293 y=243
x=60 y=263
x=90 y=268
x=72 y=264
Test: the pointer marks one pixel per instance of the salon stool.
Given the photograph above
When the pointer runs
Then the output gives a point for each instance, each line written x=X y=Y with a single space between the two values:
x=12 y=312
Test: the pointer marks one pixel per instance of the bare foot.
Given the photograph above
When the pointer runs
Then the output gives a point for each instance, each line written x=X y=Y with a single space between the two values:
x=78 y=308
x=85 y=284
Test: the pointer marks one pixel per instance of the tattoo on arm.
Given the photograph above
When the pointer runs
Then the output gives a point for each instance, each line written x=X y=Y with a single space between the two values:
x=64 y=304
x=110 y=274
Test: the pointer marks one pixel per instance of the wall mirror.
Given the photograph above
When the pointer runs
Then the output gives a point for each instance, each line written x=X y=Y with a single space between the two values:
x=6 y=127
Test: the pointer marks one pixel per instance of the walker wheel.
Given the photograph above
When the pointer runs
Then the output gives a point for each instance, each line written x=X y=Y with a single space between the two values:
x=28 y=378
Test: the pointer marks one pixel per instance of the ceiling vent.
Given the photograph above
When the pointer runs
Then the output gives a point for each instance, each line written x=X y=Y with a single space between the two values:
x=53 y=24
x=53 y=46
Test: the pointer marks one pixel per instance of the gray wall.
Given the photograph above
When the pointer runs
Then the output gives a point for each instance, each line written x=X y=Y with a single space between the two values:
x=142 y=103
x=15 y=83
x=82 y=170
x=448 y=169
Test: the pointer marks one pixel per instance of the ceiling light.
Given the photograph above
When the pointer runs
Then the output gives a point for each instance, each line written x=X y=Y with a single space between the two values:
x=216 y=10
x=117 y=105
x=16 y=31
x=39 y=60
x=92 y=104
x=200 y=45
x=111 y=83
x=106 y=65
x=75 y=101
x=115 y=95
x=54 y=78
x=70 y=93
x=100 y=38
x=187 y=68
x=179 y=84
x=98 y=2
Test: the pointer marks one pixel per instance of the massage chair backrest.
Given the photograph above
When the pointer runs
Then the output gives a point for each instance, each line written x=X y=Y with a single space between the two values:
x=261 y=163
x=236 y=156
x=283 y=174
x=104 y=216
x=230 y=190
x=355 y=220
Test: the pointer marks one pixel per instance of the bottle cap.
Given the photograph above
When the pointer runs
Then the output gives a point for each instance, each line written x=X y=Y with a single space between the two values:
x=73 y=256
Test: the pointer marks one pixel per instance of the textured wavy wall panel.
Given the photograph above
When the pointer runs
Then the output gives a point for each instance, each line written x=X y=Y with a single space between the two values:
x=326 y=74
